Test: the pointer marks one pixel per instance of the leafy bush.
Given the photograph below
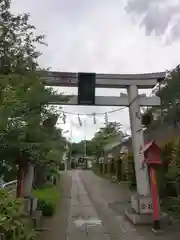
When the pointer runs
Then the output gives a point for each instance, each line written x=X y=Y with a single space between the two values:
x=52 y=174
x=14 y=224
x=47 y=200
x=169 y=173
x=147 y=118
x=172 y=206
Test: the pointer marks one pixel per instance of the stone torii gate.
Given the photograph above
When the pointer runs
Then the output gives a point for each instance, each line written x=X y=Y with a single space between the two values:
x=132 y=82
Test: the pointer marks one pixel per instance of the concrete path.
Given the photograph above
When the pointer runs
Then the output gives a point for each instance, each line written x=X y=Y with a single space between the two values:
x=97 y=211
x=84 y=222
x=92 y=208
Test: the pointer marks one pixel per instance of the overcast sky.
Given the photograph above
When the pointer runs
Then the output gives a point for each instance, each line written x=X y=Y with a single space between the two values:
x=108 y=36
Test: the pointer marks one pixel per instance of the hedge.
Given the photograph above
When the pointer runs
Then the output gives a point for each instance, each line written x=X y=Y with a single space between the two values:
x=48 y=199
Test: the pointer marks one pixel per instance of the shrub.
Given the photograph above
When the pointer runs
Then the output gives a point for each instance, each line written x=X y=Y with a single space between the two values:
x=47 y=200
x=172 y=205
x=168 y=174
x=14 y=224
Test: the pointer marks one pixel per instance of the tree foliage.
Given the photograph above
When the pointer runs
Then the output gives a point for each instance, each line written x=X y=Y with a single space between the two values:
x=102 y=137
x=14 y=224
x=147 y=118
x=106 y=135
x=169 y=92
x=18 y=51
x=23 y=97
x=169 y=113
x=28 y=132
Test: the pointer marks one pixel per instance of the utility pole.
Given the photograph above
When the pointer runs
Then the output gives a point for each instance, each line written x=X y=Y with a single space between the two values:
x=66 y=154
x=85 y=145
x=66 y=159
x=70 y=146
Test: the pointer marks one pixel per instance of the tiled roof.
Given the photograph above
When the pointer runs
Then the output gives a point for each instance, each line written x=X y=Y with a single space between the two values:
x=115 y=143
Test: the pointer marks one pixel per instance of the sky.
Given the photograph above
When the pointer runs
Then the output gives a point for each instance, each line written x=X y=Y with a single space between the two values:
x=117 y=36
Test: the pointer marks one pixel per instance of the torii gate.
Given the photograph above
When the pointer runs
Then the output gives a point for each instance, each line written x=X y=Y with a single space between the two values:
x=132 y=82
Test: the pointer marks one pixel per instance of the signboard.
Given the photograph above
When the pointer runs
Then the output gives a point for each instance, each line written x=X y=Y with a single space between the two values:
x=145 y=205
x=86 y=88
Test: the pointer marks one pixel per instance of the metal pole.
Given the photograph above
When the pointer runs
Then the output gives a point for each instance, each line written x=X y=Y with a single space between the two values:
x=65 y=155
x=85 y=145
x=70 y=146
x=85 y=152
x=66 y=159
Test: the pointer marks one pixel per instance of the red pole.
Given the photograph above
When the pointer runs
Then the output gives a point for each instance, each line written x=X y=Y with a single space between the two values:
x=155 y=198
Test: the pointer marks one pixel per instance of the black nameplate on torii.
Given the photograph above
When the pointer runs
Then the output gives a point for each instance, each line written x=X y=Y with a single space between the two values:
x=86 y=88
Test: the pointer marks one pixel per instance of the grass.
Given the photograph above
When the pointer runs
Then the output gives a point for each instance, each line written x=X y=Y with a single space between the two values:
x=51 y=194
x=48 y=199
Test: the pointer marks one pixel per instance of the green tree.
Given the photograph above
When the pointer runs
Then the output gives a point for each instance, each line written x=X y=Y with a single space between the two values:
x=169 y=92
x=95 y=146
x=78 y=148
x=147 y=118
x=104 y=136
x=168 y=112
x=23 y=96
x=51 y=154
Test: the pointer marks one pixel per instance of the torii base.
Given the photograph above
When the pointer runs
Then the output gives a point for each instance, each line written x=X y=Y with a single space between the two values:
x=135 y=215
x=140 y=211
x=142 y=219
x=138 y=219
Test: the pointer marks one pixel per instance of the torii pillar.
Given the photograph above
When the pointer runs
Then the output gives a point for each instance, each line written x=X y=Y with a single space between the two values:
x=142 y=198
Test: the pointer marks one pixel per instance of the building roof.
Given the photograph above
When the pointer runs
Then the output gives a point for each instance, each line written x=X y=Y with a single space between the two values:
x=117 y=142
x=111 y=145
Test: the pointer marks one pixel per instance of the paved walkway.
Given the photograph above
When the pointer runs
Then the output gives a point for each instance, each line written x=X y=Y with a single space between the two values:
x=57 y=226
x=92 y=208
x=110 y=201
x=84 y=222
